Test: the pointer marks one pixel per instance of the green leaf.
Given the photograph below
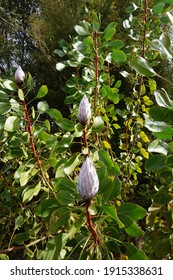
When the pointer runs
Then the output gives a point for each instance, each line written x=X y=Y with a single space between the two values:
x=158 y=8
x=65 y=124
x=57 y=243
x=65 y=198
x=134 y=211
x=161 y=113
x=60 y=53
x=43 y=90
x=46 y=207
x=154 y=126
x=20 y=238
x=54 y=113
x=162 y=99
x=131 y=227
x=108 y=189
x=71 y=164
x=24 y=177
x=12 y=123
x=10 y=85
x=54 y=247
x=141 y=66
x=3 y=96
x=115 y=45
x=162 y=196
x=105 y=157
x=20 y=94
x=81 y=30
x=119 y=56
x=163 y=248
x=113 y=167
x=156 y=162
x=109 y=33
x=42 y=106
x=165 y=134
x=4 y=257
x=18 y=222
x=158 y=46
x=112 y=212
x=133 y=253
x=62 y=183
x=5 y=107
x=98 y=124
x=30 y=192
x=61 y=66
x=158 y=146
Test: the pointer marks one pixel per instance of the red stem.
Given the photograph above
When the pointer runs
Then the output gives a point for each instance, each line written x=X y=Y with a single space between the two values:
x=31 y=135
x=96 y=64
x=89 y=219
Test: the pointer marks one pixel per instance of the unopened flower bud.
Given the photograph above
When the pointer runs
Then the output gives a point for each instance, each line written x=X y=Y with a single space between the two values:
x=84 y=111
x=19 y=75
x=88 y=182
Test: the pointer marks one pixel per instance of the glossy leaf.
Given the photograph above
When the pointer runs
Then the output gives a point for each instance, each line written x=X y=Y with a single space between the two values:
x=81 y=30
x=11 y=123
x=141 y=66
x=5 y=107
x=156 y=162
x=30 y=192
x=42 y=107
x=109 y=33
x=131 y=227
x=119 y=56
x=162 y=99
x=154 y=126
x=158 y=146
x=165 y=134
x=161 y=113
x=134 y=211
x=71 y=164
x=111 y=212
x=43 y=90
x=134 y=253
x=158 y=46
x=65 y=124
x=46 y=207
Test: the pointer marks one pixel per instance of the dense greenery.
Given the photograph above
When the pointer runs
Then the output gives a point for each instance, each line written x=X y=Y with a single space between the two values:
x=128 y=138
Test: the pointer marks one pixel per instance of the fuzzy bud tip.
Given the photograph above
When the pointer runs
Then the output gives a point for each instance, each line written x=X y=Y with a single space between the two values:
x=84 y=111
x=19 y=75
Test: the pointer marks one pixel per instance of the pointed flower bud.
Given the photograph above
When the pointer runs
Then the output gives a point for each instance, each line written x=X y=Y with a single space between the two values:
x=19 y=75
x=88 y=182
x=84 y=111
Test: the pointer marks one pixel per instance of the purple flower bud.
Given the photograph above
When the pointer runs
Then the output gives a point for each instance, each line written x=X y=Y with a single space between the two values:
x=84 y=111
x=88 y=182
x=19 y=75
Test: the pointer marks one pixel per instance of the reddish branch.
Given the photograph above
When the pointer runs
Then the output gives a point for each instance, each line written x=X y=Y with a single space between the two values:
x=143 y=42
x=34 y=148
x=90 y=224
x=96 y=65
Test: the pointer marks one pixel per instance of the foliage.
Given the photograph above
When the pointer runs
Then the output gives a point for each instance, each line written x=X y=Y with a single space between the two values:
x=42 y=213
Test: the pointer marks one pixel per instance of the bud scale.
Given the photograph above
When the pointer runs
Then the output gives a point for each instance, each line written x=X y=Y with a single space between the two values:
x=84 y=111
x=88 y=183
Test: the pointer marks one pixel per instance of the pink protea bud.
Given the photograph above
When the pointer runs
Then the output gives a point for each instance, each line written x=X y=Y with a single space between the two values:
x=88 y=182
x=19 y=75
x=84 y=111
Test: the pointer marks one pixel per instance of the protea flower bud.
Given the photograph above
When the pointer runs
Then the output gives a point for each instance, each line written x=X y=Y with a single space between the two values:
x=19 y=75
x=84 y=111
x=88 y=182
